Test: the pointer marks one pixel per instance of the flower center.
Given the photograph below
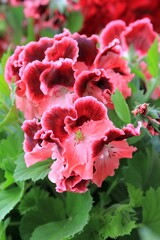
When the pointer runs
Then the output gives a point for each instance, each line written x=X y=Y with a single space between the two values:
x=79 y=136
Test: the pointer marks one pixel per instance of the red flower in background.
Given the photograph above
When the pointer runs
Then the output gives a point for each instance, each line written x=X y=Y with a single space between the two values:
x=98 y=13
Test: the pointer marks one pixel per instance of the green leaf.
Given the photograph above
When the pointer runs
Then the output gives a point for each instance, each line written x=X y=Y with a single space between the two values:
x=74 y=21
x=152 y=59
x=37 y=171
x=10 y=148
x=151 y=210
x=9 y=180
x=8 y=199
x=31 y=199
x=121 y=107
x=118 y=221
x=143 y=169
x=47 y=210
x=77 y=209
x=114 y=118
x=135 y=195
x=92 y=229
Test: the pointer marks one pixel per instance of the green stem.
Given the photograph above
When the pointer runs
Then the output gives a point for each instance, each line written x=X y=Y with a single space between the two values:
x=14 y=224
x=112 y=186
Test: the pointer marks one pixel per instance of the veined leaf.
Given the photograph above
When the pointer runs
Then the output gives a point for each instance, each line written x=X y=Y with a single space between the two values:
x=77 y=208
x=8 y=199
x=151 y=210
x=50 y=208
x=118 y=221
x=31 y=199
x=136 y=195
x=37 y=171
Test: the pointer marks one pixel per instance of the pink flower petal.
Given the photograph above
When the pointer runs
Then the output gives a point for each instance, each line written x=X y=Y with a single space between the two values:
x=136 y=33
x=87 y=108
x=95 y=83
x=64 y=48
x=37 y=144
x=108 y=159
x=31 y=76
x=36 y=50
x=87 y=48
x=59 y=73
x=53 y=119
x=112 y=30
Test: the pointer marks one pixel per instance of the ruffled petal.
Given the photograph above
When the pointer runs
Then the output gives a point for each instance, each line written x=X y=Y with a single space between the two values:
x=59 y=73
x=53 y=119
x=95 y=83
x=31 y=76
x=140 y=34
x=37 y=144
x=108 y=160
x=64 y=48
x=87 y=48
x=112 y=30
x=36 y=50
x=87 y=108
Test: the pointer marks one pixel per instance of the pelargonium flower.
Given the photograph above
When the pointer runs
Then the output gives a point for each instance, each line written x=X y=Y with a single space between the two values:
x=40 y=83
x=81 y=139
x=107 y=72
x=53 y=71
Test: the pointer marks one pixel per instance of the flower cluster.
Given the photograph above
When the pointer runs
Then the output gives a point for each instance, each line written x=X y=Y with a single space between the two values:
x=44 y=14
x=133 y=35
x=64 y=86
x=98 y=13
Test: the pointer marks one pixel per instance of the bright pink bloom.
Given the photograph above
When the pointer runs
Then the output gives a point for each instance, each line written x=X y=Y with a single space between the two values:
x=41 y=83
x=48 y=72
x=112 y=70
x=76 y=128
x=83 y=131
